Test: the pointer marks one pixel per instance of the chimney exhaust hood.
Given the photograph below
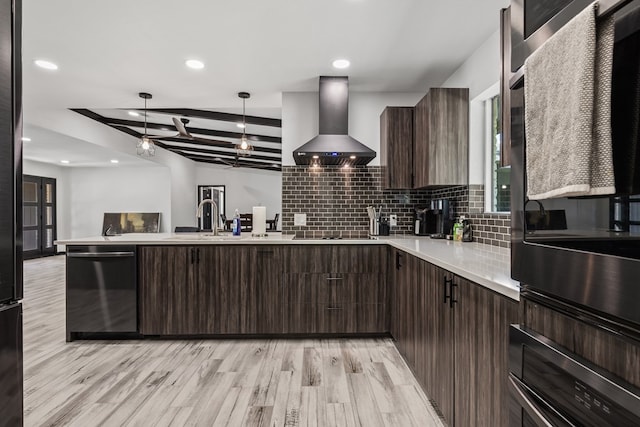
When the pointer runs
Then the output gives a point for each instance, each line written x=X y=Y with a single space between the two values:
x=333 y=146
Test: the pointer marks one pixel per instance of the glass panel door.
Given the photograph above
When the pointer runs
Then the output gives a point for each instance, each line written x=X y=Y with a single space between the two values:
x=39 y=212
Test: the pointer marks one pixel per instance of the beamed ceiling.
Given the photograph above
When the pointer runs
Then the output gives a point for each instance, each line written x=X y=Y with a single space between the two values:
x=215 y=134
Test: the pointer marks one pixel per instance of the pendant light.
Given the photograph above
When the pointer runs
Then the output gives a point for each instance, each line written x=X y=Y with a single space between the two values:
x=244 y=148
x=145 y=147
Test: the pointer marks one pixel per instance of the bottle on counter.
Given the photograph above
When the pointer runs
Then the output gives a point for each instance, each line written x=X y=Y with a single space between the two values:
x=236 y=223
x=457 y=229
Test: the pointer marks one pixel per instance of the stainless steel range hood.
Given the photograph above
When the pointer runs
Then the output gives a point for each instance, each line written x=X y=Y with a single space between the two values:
x=333 y=146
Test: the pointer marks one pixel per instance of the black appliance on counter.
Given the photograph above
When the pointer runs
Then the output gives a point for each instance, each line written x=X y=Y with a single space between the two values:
x=434 y=220
x=593 y=262
x=550 y=386
x=11 y=376
x=101 y=290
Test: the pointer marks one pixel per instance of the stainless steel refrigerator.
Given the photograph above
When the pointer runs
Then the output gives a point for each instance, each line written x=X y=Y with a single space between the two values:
x=11 y=377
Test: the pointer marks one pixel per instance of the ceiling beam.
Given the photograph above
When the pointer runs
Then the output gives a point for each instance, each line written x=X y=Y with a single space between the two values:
x=209 y=132
x=240 y=164
x=220 y=153
x=219 y=144
x=216 y=115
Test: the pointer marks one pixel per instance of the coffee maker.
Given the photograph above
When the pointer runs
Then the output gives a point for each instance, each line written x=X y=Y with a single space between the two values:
x=443 y=218
x=433 y=220
x=424 y=222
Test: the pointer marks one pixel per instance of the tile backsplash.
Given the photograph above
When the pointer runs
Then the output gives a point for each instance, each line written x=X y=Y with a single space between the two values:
x=335 y=200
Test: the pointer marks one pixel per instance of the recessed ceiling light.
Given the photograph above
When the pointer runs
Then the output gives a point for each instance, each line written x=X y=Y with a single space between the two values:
x=217 y=159
x=134 y=113
x=66 y=162
x=341 y=63
x=240 y=125
x=195 y=64
x=47 y=65
x=274 y=165
x=25 y=139
x=316 y=157
x=352 y=157
x=115 y=161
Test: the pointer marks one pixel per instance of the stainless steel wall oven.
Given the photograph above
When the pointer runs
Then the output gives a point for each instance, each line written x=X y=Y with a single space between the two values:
x=582 y=251
x=550 y=386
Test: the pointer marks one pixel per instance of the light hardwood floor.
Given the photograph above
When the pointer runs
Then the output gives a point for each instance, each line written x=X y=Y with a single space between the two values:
x=329 y=382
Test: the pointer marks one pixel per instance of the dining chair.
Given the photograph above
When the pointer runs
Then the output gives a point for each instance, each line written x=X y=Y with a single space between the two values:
x=246 y=221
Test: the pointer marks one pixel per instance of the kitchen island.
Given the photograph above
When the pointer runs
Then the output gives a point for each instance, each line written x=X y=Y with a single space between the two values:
x=447 y=305
x=198 y=284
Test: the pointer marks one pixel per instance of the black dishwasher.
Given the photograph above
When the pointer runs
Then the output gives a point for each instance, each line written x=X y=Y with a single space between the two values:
x=101 y=290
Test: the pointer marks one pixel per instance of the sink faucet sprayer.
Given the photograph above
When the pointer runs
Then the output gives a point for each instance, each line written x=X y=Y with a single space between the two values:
x=214 y=219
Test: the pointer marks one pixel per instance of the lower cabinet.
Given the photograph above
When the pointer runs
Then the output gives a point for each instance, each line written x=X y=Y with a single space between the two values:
x=242 y=289
x=453 y=333
x=202 y=290
x=335 y=289
x=335 y=302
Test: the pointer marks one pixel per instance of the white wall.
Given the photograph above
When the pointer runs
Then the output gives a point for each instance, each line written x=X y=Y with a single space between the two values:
x=481 y=69
x=95 y=191
x=300 y=118
x=181 y=171
x=245 y=188
x=480 y=72
x=63 y=193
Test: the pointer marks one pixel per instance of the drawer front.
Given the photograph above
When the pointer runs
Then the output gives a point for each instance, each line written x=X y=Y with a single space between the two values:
x=335 y=318
x=329 y=288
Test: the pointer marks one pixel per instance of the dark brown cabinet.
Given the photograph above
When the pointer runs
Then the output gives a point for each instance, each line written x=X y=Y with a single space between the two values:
x=454 y=335
x=203 y=290
x=482 y=320
x=441 y=144
x=169 y=297
x=335 y=289
x=396 y=147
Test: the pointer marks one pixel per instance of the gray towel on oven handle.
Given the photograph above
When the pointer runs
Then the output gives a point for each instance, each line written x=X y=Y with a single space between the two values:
x=568 y=111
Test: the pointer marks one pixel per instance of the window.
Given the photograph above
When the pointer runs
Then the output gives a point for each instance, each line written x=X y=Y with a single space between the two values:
x=498 y=183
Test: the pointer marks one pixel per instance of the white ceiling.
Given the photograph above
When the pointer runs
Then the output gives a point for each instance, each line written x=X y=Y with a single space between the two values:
x=109 y=51
x=52 y=147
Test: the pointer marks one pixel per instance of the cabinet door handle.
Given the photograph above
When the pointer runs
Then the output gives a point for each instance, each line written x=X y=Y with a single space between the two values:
x=447 y=289
x=452 y=299
x=334 y=308
x=398 y=260
x=334 y=278
x=192 y=250
x=198 y=256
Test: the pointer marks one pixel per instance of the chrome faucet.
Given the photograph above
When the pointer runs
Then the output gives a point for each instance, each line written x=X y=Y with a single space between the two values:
x=214 y=219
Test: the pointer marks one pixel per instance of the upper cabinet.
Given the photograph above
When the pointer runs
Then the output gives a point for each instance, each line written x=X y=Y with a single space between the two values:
x=396 y=147
x=441 y=144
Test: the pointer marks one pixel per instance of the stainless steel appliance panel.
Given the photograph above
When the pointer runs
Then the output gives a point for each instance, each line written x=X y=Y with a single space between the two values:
x=589 y=264
x=550 y=386
x=10 y=152
x=101 y=289
x=11 y=365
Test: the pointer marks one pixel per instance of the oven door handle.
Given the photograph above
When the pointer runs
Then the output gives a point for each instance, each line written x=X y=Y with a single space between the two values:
x=530 y=407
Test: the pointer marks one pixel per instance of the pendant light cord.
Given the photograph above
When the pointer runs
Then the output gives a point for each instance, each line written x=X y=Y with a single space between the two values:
x=244 y=120
x=145 y=116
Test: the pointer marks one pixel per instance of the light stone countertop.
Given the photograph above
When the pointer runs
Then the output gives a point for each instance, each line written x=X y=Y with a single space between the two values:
x=487 y=265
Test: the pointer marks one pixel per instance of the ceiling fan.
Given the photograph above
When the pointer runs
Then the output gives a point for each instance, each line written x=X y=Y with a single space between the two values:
x=183 y=133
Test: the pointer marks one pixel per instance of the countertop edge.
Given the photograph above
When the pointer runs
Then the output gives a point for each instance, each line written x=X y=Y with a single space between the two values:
x=505 y=286
x=510 y=291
